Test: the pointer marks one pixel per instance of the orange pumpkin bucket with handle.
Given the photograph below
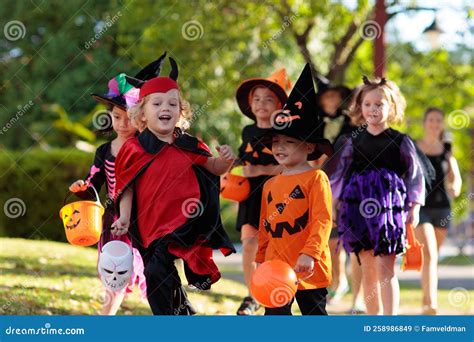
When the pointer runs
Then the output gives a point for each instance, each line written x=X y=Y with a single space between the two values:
x=235 y=187
x=413 y=258
x=274 y=283
x=82 y=221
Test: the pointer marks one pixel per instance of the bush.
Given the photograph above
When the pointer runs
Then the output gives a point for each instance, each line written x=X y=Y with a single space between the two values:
x=35 y=183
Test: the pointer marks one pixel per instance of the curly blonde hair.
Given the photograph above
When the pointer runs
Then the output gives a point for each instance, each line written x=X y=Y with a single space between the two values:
x=392 y=94
x=137 y=116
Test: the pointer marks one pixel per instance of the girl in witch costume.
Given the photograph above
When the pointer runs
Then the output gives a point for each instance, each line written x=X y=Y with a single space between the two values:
x=296 y=209
x=378 y=181
x=168 y=197
x=121 y=95
x=257 y=98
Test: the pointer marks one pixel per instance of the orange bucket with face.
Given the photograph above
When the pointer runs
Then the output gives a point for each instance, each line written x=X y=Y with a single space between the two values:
x=413 y=258
x=82 y=221
x=235 y=187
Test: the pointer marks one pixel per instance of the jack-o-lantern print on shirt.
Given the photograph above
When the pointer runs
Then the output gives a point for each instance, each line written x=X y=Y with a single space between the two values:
x=296 y=218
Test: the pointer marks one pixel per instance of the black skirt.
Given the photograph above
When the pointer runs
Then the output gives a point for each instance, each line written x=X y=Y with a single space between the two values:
x=249 y=210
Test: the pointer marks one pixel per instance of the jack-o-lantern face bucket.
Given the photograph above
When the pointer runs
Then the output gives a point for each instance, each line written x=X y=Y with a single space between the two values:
x=82 y=221
x=235 y=187
x=115 y=265
x=413 y=258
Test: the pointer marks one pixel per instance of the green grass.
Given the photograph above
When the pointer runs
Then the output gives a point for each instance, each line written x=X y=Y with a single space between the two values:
x=458 y=260
x=52 y=278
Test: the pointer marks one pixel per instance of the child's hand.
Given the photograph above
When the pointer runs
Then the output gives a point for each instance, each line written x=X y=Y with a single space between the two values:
x=305 y=263
x=451 y=192
x=251 y=171
x=120 y=227
x=413 y=216
x=225 y=152
x=78 y=186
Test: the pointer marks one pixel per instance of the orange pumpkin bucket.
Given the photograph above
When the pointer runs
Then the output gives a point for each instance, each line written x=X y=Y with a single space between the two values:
x=82 y=221
x=273 y=284
x=413 y=258
x=235 y=187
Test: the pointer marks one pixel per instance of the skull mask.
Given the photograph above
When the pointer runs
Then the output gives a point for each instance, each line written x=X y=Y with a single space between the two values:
x=115 y=265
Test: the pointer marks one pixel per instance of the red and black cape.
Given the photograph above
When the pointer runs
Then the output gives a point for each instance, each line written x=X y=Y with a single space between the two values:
x=198 y=236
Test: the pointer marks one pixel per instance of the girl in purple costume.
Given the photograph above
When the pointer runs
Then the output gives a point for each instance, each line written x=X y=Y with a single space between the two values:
x=378 y=187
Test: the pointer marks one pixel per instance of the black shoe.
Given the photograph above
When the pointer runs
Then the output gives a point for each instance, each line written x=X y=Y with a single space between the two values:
x=248 y=307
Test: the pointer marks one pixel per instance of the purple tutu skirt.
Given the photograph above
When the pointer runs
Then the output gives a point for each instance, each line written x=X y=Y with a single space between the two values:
x=373 y=213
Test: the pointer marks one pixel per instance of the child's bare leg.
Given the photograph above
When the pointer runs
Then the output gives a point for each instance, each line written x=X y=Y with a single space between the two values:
x=249 y=251
x=339 y=284
x=356 y=280
x=440 y=236
x=389 y=287
x=370 y=282
x=338 y=266
x=112 y=302
x=429 y=273
x=335 y=263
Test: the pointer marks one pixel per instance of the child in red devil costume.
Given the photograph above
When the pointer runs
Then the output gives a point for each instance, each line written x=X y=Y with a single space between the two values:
x=168 y=197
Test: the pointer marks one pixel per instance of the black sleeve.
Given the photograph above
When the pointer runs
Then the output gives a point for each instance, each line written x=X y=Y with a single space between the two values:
x=96 y=176
x=245 y=140
x=447 y=148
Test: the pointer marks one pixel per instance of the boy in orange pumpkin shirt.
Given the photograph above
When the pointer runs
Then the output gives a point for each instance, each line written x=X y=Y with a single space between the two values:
x=296 y=212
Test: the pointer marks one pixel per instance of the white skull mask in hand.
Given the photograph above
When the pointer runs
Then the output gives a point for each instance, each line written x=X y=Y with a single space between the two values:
x=115 y=265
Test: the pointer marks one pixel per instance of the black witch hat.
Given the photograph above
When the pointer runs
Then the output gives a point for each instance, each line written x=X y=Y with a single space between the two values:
x=121 y=92
x=138 y=82
x=301 y=116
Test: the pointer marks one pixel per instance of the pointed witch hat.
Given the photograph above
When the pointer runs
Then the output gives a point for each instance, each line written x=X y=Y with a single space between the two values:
x=122 y=93
x=301 y=117
x=160 y=84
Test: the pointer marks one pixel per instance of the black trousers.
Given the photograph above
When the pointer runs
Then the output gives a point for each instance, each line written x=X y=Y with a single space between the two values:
x=310 y=302
x=165 y=293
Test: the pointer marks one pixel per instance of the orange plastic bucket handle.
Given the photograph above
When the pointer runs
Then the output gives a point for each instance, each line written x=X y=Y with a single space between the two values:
x=93 y=188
